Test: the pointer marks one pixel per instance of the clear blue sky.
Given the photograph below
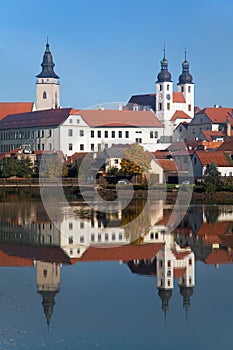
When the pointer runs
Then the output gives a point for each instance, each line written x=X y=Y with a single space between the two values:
x=106 y=51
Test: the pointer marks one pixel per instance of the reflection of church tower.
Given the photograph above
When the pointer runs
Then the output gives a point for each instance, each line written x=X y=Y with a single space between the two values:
x=47 y=86
x=165 y=295
x=186 y=293
x=48 y=281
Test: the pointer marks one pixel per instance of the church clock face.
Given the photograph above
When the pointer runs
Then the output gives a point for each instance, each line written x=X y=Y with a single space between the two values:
x=168 y=96
x=160 y=97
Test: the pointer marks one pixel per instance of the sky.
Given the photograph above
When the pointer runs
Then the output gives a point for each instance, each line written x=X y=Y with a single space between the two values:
x=106 y=51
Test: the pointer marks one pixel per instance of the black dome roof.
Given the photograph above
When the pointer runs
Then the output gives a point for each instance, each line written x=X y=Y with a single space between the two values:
x=47 y=65
x=185 y=77
x=164 y=74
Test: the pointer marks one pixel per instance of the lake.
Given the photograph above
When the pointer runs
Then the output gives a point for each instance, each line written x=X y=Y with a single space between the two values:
x=73 y=277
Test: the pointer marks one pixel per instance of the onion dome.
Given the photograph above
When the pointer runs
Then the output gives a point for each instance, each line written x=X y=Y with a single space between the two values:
x=185 y=77
x=164 y=74
x=47 y=65
x=165 y=295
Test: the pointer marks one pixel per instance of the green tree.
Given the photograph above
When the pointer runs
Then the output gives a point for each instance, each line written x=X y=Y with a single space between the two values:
x=135 y=160
x=113 y=171
x=211 y=170
x=25 y=167
x=9 y=167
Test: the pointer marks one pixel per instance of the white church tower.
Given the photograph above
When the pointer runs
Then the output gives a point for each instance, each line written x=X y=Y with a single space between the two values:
x=164 y=93
x=47 y=86
x=186 y=86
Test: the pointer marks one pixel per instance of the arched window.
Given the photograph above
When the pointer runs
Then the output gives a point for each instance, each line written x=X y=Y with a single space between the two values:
x=44 y=95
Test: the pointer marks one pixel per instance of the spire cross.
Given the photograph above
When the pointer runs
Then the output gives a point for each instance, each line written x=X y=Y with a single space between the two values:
x=164 y=49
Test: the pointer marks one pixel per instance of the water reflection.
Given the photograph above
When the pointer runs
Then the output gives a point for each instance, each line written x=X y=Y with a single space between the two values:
x=29 y=238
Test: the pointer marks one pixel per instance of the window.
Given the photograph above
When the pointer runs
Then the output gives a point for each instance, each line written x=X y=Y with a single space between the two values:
x=169 y=283
x=113 y=236
x=92 y=146
x=99 y=133
x=168 y=87
x=81 y=224
x=92 y=133
x=92 y=237
x=49 y=133
x=120 y=134
x=70 y=147
x=160 y=87
x=106 y=134
x=182 y=89
x=138 y=140
x=169 y=263
x=190 y=261
x=81 y=239
x=99 y=237
x=126 y=134
x=168 y=106
x=160 y=263
x=70 y=225
x=99 y=146
x=116 y=161
x=189 y=108
x=151 y=134
x=71 y=120
x=189 y=89
x=44 y=95
x=106 y=237
x=169 y=273
x=156 y=134
x=152 y=235
x=70 y=132
x=78 y=121
x=81 y=147
x=71 y=240
x=81 y=133
x=160 y=106
x=45 y=273
x=113 y=134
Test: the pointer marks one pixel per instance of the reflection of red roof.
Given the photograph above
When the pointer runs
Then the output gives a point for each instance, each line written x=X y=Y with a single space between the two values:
x=179 y=272
x=124 y=252
x=96 y=118
x=8 y=260
x=207 y=229
x=180 y=115
x=180 y=255
x=26 y=251
x=178 y=97
x=7 y=108
x=219 y=256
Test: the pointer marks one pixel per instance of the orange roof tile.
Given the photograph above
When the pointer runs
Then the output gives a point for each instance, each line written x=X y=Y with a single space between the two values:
x=124 y=252
x=210 y=135
x=120 y=118
x=167 y=164
x=218 y=157
x=179 y=272
x=7 y=108
x=219 y=256
x=180 y=115
x=7 y=260
x=178 y=97
x=217 y=115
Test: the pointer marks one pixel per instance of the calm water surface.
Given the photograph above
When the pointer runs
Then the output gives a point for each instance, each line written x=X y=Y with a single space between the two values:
x=87 y=280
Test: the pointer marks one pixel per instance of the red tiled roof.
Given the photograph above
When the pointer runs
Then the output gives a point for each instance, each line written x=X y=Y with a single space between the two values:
x=180 y=115
x=120 y=118
x=7 y=108
x=178 y=97
x=8 y=260
x=210 y=135
x=179 y=272
x=167 y=164
x=217 y=115
x=227 y=145
x=219 y=256
x=124 y=253
x=180 y=255
x=207 y=229
x=49 y=117
x=218 y=157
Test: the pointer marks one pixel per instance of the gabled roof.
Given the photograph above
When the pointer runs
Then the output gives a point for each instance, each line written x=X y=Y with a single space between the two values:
x=167 y=164
x=48 y=117
x=178 y=97
x=217 y=115
x=124 y=253
x=219 y=256
x=106 y=118
x=227 y=145
x=210 y=135
x=218 y=157
x=7 y=108
x=180 y=115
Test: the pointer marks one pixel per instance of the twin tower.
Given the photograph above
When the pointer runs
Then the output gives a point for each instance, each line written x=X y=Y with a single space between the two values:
x=167 y=102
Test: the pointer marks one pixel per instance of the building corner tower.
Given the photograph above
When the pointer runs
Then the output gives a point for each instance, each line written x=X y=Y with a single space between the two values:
x=47 y=86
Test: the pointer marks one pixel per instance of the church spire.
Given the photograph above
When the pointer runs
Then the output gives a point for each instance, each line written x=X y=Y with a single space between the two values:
x=47 y=65
x=185 y=77
x=164 y=74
